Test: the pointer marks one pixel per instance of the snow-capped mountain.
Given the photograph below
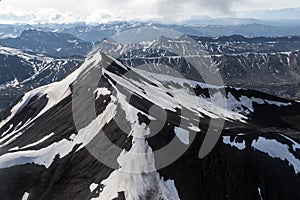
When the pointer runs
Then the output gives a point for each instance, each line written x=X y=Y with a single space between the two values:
x=238 y=44
x=21 y=72
x=204 y=27
x=272 y=62
x=48 y=43
x=51 y=148
x=269 y=65
x=36 y=58
x=23 y=67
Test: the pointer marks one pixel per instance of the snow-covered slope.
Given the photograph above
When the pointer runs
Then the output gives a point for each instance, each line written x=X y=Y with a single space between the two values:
x=54 y=140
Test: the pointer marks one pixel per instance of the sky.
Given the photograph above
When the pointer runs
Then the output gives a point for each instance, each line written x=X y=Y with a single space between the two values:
x=101 y=11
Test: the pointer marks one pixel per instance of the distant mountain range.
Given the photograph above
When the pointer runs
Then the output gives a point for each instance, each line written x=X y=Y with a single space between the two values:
x=48 y=43
x=219 y=27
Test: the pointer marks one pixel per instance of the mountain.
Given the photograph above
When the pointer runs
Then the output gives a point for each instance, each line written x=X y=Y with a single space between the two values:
x=21 y=72
x=36 y=41
x=265 y=64
x=98 y=32
x=206 y=20
x=238 y=44
x=36 y=58
x=12 y=31
x=53 y=142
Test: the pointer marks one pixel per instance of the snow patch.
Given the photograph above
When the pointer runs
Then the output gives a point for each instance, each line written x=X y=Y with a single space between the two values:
x=25 y=196
x=238 y=145
x=39 y=141
x=296 y=146
x=93 y=186
x=43 y=156
x=237 y=105
x=259 y=192
x=278 y=150
x=101 y=92
x=194 y=128
x=183 y=135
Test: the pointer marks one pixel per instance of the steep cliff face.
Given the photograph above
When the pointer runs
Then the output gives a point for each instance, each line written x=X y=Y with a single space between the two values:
x=103 y=133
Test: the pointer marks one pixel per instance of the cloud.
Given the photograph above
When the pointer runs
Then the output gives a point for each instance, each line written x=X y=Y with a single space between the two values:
x=51 y=15
x=93 y=11
x=101 y=11
x=197 y=7
x=8 y=14
x=99 y=16
x=223 y=6
x=41 y=15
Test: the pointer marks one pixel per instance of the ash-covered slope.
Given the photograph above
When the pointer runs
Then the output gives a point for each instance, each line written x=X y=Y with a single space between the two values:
x=53 y=142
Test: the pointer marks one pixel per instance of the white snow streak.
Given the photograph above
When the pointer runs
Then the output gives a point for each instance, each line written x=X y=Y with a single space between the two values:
x=25 y=196
x=276 y=149
x=137 y=167
x=259 y=192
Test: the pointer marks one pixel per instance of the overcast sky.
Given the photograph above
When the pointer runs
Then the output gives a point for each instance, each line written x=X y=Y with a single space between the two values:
x=99 y=11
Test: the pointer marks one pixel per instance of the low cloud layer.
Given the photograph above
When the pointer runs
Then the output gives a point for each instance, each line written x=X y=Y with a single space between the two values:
x=101 y=11
x=197 y=6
